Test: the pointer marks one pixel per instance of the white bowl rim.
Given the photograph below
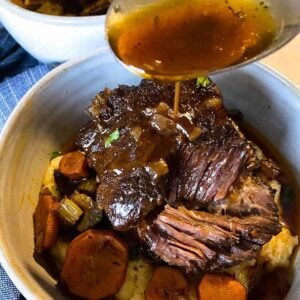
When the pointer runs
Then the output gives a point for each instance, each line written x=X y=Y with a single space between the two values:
x=39 y=17
x=5 y=259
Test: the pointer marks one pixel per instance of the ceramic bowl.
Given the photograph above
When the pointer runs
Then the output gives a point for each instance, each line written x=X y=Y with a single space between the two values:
x=53 y=109
x=52 y=38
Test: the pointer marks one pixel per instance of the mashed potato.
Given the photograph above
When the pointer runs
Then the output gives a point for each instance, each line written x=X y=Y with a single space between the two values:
x=138 y=275
x=274 y=254
x=49 y=181
x=242 y=272
x=277 y=252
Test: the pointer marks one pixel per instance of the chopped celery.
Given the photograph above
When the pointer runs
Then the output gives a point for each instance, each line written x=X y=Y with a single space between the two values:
x=58 y=252
x=82 y=200
x=88 y=186
x=90 y=218
x=69 y=211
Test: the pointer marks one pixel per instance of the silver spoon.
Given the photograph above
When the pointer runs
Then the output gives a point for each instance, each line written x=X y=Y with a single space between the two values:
x=285 y=12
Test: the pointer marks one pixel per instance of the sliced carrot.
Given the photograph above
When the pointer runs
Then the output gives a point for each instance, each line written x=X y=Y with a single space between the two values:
x=221 y=287
x=46 y=222
x=95 y=265
x=167 y=283
x=73 y=165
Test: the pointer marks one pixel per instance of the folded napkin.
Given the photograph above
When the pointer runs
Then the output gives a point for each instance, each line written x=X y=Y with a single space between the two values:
x=12 y=89
x=18 y=72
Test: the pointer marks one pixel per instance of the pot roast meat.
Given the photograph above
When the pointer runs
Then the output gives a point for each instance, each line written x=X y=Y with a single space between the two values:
x=128 y=198
x=129 y=108
x=198 y=240
x=206 y=171
x=198 y=170
x=141 y=115
x=250 y=196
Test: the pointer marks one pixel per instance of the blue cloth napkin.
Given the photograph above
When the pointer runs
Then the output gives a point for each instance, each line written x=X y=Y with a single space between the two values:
x=18 y=72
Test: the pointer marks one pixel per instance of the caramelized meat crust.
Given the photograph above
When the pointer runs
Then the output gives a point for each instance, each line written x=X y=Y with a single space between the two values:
x=196 y=175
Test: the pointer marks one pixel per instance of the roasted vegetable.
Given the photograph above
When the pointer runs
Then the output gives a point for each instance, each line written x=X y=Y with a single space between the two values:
x=90 y=218
x=79 y=206
x=58 y=252
x=167 y=283
x=46 y=222
x=69 y=211
x=95 y=265
x=74 y=166
x=83 y=201
x=221 y=287
x=88 y=186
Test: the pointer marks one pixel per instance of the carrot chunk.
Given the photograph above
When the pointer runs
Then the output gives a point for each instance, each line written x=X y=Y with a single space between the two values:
x=95 y=265
x=221 y=287
x=46 y=222
x=73 y=165
x=167 y=284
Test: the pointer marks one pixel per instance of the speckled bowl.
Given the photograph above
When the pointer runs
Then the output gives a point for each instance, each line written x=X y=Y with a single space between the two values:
x=53 y=109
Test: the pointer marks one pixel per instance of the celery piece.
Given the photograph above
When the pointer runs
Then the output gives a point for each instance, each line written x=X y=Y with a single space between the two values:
x=82 y=200
x=69 y=212
x=90 y=218
x=58 y=252
x=87 y=186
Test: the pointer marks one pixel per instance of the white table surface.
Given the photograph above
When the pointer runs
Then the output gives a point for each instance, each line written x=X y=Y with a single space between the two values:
x=287 y=60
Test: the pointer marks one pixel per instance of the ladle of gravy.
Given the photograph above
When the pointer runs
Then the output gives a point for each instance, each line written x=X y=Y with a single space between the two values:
x=175 y=40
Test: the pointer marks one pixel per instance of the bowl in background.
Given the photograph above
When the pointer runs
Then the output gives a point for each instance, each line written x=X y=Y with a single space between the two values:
x=53 y=110
x=52 y=38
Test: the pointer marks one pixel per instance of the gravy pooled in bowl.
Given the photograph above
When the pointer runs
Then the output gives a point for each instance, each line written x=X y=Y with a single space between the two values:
x=146 y=205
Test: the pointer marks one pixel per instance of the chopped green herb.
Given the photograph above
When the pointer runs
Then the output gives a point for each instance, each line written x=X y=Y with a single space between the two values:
x=114 y=136
x=54 y=154
x=202 y=81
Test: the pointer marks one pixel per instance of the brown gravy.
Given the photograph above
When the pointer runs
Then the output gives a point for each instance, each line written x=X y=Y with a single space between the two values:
x=276 y=284
x=290 y=189
x=178 y=40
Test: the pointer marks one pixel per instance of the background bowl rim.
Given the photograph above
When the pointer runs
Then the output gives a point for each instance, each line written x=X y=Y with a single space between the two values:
x=39 y=17
x=6 y=261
